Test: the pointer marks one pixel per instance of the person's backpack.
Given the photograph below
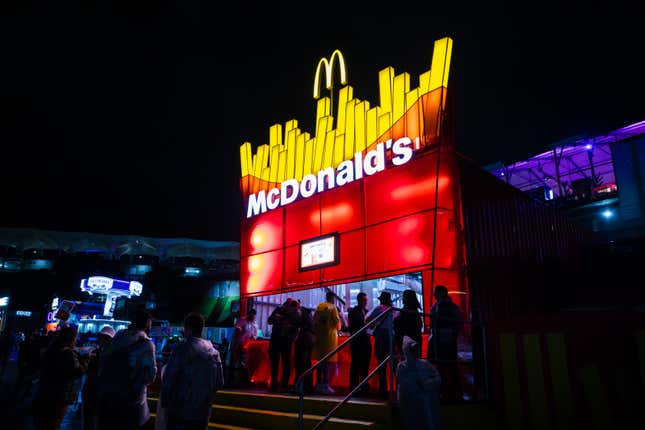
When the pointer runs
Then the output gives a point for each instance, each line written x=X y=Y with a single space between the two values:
x=116 y=376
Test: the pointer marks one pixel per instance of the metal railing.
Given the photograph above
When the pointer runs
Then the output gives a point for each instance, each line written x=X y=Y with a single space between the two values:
x=299 y=383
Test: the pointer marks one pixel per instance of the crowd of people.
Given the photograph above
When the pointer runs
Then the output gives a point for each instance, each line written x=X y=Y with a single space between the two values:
x=304 y=335
x=116 y=372
x=111 y=378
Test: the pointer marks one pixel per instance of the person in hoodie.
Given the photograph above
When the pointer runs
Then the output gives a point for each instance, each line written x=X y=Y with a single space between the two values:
x=191 y=377
x=284 y=320
x=418 y=389
x=126 y=367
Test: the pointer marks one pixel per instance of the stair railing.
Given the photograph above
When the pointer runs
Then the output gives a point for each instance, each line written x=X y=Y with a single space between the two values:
x=300 y=386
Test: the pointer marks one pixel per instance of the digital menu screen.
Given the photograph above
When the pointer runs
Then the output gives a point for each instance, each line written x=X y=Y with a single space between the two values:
x=319 y=252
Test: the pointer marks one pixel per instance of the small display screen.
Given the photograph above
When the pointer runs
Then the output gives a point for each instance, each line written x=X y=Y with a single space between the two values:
x=319 y=252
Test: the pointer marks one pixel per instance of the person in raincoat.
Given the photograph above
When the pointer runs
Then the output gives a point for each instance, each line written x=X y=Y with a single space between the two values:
x=326 y=326
x=418 y=389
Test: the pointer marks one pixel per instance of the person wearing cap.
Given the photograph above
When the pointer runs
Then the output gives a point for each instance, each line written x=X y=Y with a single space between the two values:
x=89 y=393
x=382 y=332
x=408 y=321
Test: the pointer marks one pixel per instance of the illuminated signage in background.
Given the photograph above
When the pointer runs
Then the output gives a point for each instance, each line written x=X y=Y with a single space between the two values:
x=319 y=252
x=192 y=271
x=55 y=303
x=23 y=313
x=116 y=287
x=293 y=155
x=4 y=302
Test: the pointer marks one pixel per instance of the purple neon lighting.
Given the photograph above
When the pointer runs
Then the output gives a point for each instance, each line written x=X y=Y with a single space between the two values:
x=577 y=160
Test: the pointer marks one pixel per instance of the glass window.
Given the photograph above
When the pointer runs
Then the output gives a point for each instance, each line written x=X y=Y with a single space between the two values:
x=345 y=296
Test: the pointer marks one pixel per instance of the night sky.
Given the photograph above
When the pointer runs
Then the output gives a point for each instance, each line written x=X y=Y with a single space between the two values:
x=125 y=117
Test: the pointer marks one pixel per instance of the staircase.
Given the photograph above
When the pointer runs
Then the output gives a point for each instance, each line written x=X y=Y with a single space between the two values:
x=258 y=410
x=246 y=410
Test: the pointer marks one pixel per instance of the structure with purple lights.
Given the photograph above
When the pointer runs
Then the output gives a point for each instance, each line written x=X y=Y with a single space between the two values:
x=598 y=181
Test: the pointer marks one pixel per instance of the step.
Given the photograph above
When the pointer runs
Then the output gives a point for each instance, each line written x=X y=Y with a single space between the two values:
x=150 y=425
x=275 y=420
x=359 y=409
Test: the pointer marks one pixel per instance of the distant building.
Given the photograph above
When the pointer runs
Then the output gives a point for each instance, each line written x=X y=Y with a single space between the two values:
x=176 y=275
x=598 y=181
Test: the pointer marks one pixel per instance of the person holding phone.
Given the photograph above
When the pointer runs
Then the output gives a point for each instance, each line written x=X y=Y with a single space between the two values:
x=61 y=367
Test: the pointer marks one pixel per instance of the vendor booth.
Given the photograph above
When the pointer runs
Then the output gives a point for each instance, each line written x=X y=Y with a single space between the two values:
x=377 y=199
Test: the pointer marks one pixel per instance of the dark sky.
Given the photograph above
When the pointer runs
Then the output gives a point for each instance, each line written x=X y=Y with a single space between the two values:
x=126 y=117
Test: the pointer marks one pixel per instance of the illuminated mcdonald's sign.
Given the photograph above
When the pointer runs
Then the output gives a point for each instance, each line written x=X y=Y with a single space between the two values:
x=293 y=156
x=328 y=70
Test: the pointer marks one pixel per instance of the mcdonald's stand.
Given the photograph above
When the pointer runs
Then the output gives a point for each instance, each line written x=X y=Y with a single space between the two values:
x=380 y=193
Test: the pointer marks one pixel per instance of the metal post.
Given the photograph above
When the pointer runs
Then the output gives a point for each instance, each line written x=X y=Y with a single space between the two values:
x=301 y=405
x=557 y=171
x=392 y=367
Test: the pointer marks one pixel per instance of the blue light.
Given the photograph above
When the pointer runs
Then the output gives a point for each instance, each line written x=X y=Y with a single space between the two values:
x=192 y=271
x=588 y=146
x=607 y=213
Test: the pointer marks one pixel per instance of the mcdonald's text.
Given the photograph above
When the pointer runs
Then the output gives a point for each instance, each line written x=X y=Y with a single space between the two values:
x=372 y=162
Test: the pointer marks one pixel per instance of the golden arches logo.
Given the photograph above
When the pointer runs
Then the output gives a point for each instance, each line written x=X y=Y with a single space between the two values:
x=329 y=64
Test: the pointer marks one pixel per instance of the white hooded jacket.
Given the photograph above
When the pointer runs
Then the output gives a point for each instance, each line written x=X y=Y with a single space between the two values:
x=418 y=390
x=190 y=379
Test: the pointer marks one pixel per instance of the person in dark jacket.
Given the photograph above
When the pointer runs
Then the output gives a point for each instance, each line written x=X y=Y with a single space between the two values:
x=284 y=320
x=408 y=322
x=303 y=347
x=383 y=337
x=361 y=347
x=126 y=367
x=28 y=364
x=192 y=376
x=90 y=389
x=446 y=323
x=61 y=366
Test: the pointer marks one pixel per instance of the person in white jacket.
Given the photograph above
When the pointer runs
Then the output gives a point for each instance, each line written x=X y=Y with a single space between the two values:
x=191 y=378
x=418 y=390
x=126 y=367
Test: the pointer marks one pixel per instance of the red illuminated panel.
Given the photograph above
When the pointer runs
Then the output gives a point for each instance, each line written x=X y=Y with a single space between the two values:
x=341 y=209
x=399 y=244
x=446 y=252
x=262 y=233
x=405 y=189
x=352 y=258
x=302 y=222
x=449 y=279
x=261 y=273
